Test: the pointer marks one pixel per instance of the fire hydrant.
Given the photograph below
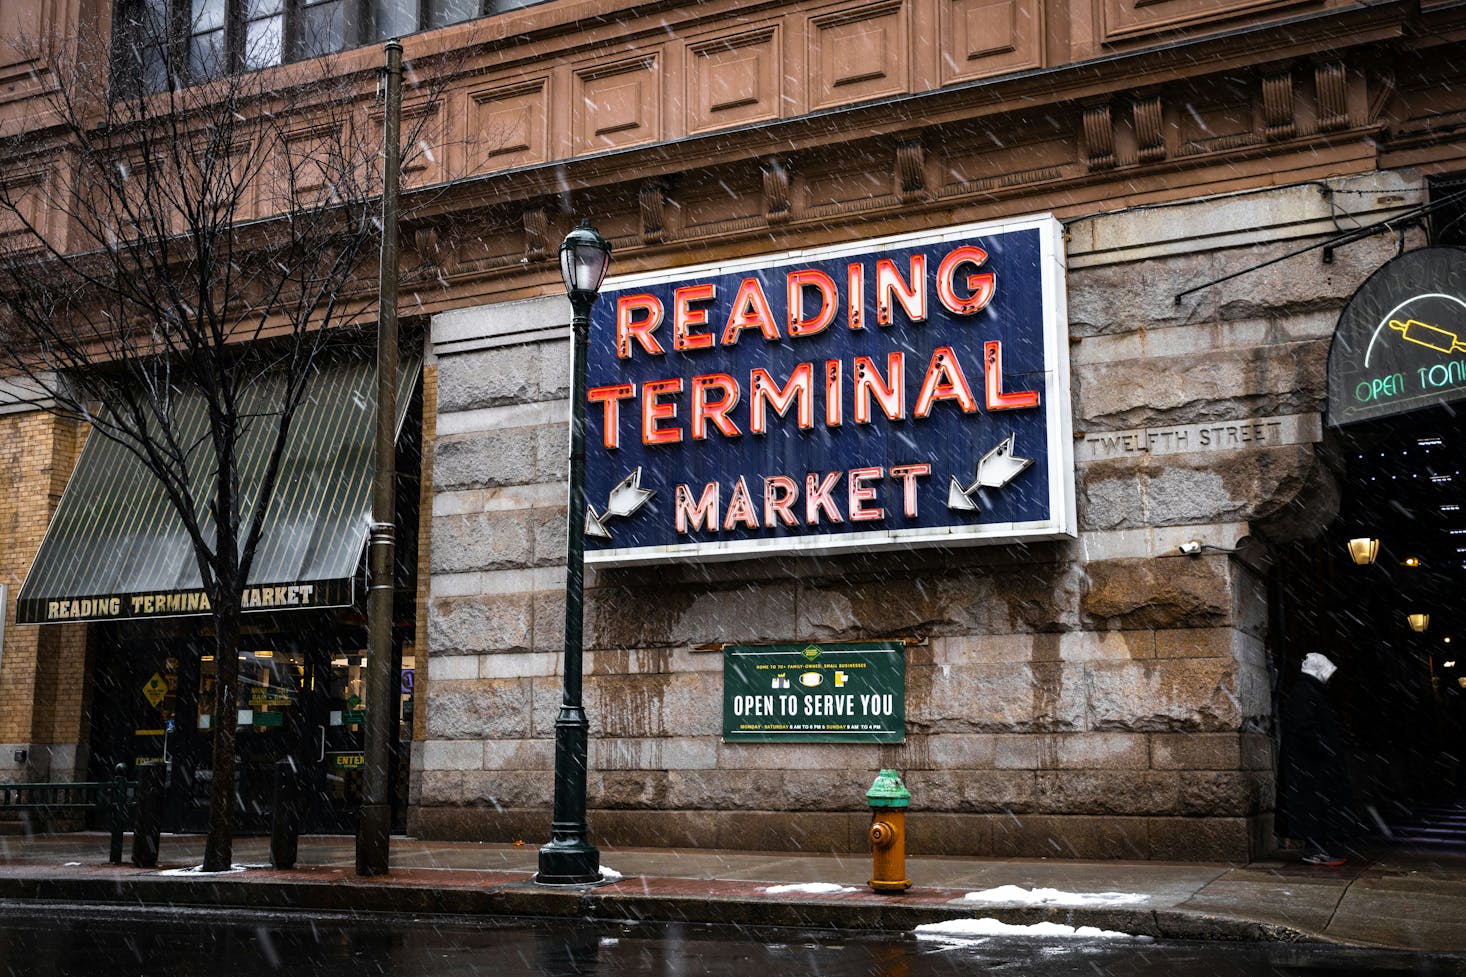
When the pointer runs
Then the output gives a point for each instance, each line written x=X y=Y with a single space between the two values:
x=888 y=799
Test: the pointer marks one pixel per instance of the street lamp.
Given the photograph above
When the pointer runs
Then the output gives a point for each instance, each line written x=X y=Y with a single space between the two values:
x=569 y=858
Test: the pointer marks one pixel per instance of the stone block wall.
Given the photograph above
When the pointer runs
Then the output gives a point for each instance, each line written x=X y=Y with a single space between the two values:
x=1102 y=697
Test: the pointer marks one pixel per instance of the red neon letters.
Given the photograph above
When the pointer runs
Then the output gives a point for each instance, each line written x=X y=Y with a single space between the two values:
x=863 y=488
x=715 y=400
x=953 y=368
x=811 y=303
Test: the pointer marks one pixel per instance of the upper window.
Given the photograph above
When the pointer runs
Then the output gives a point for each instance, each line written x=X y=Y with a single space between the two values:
x=1448 y=220
x=194 y=40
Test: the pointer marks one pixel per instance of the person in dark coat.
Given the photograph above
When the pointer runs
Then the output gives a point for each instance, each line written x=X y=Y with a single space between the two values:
x=1316 y=778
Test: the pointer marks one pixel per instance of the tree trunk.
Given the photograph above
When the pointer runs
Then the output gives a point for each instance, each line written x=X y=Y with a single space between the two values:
x=219 y=851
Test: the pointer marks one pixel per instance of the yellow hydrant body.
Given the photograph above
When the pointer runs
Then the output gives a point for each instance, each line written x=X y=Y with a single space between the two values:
x=888 y=799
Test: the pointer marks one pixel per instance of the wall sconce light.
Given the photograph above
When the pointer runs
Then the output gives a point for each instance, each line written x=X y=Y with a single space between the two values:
x=1193 y=547
x=1363 y=550
x=1418 y=622
x=1410 y=561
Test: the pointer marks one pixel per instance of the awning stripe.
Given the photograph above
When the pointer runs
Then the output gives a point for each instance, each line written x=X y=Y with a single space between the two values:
x=115 y=546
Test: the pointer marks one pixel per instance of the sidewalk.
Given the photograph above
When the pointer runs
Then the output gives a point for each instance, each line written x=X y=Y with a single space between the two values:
x=1402 y=900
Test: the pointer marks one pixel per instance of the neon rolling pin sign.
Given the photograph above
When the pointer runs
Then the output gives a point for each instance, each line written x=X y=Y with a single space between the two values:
x=1431 y=337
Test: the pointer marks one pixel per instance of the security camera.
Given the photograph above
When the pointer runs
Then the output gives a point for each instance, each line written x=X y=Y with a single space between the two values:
x=1192 y=547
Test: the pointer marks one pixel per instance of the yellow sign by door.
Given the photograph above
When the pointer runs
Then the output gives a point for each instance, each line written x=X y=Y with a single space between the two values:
x=154 y=689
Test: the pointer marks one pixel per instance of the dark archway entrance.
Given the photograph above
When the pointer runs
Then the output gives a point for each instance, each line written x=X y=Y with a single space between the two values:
x=1398 y=691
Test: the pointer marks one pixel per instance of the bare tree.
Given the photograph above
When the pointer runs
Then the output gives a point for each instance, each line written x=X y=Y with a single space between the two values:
x=171 y=241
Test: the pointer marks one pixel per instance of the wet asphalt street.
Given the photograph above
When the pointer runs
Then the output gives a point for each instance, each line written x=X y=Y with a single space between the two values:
x=38 y=941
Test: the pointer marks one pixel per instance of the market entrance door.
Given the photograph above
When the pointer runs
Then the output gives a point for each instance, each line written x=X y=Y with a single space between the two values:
x=299 y=710
x=299 y=703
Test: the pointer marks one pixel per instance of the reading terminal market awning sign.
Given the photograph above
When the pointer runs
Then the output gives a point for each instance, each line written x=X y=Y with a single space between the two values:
x=897 y=392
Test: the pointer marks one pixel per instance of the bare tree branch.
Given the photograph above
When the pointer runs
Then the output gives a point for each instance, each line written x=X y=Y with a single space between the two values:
x=195 y=244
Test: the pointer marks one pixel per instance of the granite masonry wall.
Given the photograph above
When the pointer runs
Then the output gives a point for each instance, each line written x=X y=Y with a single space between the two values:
x=1106 y=696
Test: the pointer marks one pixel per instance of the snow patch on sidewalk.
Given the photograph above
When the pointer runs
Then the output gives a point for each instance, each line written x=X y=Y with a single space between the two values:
x=610 y=875
x=1019 y=896
x=812 y=888
x=968 y=929
x=199 y=870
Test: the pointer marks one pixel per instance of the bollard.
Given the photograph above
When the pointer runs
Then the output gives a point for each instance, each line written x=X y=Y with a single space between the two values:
x=285 y=816
x=147 y=829
x=888 y=799
x=117 y=811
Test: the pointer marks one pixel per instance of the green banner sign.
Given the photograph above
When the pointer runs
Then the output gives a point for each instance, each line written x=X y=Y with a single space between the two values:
x=815 y=693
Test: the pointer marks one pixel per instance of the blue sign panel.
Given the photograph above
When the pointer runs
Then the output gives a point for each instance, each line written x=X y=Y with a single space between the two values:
x=904 y=391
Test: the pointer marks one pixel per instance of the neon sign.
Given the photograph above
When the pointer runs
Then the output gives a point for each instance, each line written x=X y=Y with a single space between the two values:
x=904 y=391
x=1398 y=344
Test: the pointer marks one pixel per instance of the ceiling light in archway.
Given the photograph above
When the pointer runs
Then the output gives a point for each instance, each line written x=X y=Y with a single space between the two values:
x=1418 y=622
x=1363 y=550
x=1410 y=561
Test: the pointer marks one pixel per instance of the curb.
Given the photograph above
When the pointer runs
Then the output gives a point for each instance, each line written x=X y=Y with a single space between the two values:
x=512 y=896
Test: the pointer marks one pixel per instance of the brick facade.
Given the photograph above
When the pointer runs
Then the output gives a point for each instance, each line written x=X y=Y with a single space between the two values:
x=42 y=670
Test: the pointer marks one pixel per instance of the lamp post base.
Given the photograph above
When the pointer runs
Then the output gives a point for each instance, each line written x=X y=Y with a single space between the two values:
x=569 y=863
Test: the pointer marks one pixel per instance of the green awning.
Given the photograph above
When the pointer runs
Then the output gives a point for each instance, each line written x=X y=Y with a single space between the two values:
x=116 y=549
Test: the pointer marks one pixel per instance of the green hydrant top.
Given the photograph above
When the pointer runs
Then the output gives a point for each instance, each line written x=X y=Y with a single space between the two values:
x=888 y=791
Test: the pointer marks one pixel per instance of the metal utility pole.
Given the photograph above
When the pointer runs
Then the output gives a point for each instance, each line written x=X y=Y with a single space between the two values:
x=374 y=824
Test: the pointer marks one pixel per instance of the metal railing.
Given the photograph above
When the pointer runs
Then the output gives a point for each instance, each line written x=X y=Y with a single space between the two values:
x=105 y=802
x=47 y=798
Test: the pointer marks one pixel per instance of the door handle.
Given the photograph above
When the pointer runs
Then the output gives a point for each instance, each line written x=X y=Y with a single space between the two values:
x=321 y=751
